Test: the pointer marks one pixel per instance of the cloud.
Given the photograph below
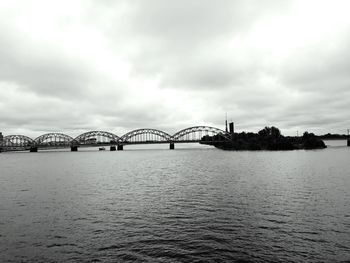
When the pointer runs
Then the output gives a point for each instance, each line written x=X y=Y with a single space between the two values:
x=122 y=65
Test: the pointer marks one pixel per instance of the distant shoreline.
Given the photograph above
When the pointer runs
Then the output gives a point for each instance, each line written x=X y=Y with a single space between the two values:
x=333 y=139
x=267 y=139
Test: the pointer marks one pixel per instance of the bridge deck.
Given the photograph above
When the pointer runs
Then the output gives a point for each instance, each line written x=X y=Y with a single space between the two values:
x=52 y=147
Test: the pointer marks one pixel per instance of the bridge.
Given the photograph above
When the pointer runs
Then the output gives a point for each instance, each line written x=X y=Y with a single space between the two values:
x=199 y=134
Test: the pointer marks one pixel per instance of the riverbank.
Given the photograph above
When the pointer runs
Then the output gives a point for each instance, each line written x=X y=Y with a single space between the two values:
x=270 y=138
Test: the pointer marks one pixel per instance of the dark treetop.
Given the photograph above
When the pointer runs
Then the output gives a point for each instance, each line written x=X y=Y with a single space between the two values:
x=269 y=138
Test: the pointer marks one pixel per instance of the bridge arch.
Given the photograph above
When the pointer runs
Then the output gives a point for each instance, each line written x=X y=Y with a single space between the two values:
x=17 y=141
x=96 y=137
x=146 y=135
x=53 y=139
x=196 y=133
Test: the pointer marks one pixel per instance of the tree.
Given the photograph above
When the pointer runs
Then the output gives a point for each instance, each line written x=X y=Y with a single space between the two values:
x=307 y=135
x=264 y=132
x=270 y=132
x=275 y=132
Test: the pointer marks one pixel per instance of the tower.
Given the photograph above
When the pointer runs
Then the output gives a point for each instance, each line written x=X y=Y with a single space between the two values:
x=1 y=140
x=232 y=128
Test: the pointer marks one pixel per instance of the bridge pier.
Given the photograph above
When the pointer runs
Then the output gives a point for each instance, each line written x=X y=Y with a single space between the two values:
x=172 y=146
x=112 y=148
x=74 y=148
x=120 y=147
x=33 y=149
x=348 y=142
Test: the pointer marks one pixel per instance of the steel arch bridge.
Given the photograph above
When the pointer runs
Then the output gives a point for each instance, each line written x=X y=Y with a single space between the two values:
x=17 y=141
x=96 y=137
x=145 y=136
x=99 y=138
x=53 y=140
x=196 y=133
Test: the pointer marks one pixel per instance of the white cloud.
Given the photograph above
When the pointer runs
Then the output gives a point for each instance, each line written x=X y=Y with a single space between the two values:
x=119 y=65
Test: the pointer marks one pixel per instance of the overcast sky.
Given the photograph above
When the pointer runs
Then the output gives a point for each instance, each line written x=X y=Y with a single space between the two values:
x=74 y=66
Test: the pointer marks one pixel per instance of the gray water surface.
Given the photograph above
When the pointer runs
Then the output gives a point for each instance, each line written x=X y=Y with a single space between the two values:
x=187 y=205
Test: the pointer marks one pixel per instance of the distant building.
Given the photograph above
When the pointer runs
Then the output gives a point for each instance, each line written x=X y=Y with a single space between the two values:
x=232 y=128
x=1 y=140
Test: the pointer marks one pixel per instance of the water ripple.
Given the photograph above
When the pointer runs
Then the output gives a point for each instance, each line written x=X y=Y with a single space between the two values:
x=180 y=206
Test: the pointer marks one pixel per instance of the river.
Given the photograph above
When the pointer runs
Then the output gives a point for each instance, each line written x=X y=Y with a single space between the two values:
x=192 y=204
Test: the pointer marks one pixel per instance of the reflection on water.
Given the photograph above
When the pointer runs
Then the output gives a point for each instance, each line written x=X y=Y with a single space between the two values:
x=336 y=143
x=188 y=205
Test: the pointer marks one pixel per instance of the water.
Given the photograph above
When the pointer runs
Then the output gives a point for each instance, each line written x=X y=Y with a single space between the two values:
x=189 y=205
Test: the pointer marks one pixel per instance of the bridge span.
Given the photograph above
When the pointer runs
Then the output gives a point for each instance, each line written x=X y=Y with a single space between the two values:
x=199 y=134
